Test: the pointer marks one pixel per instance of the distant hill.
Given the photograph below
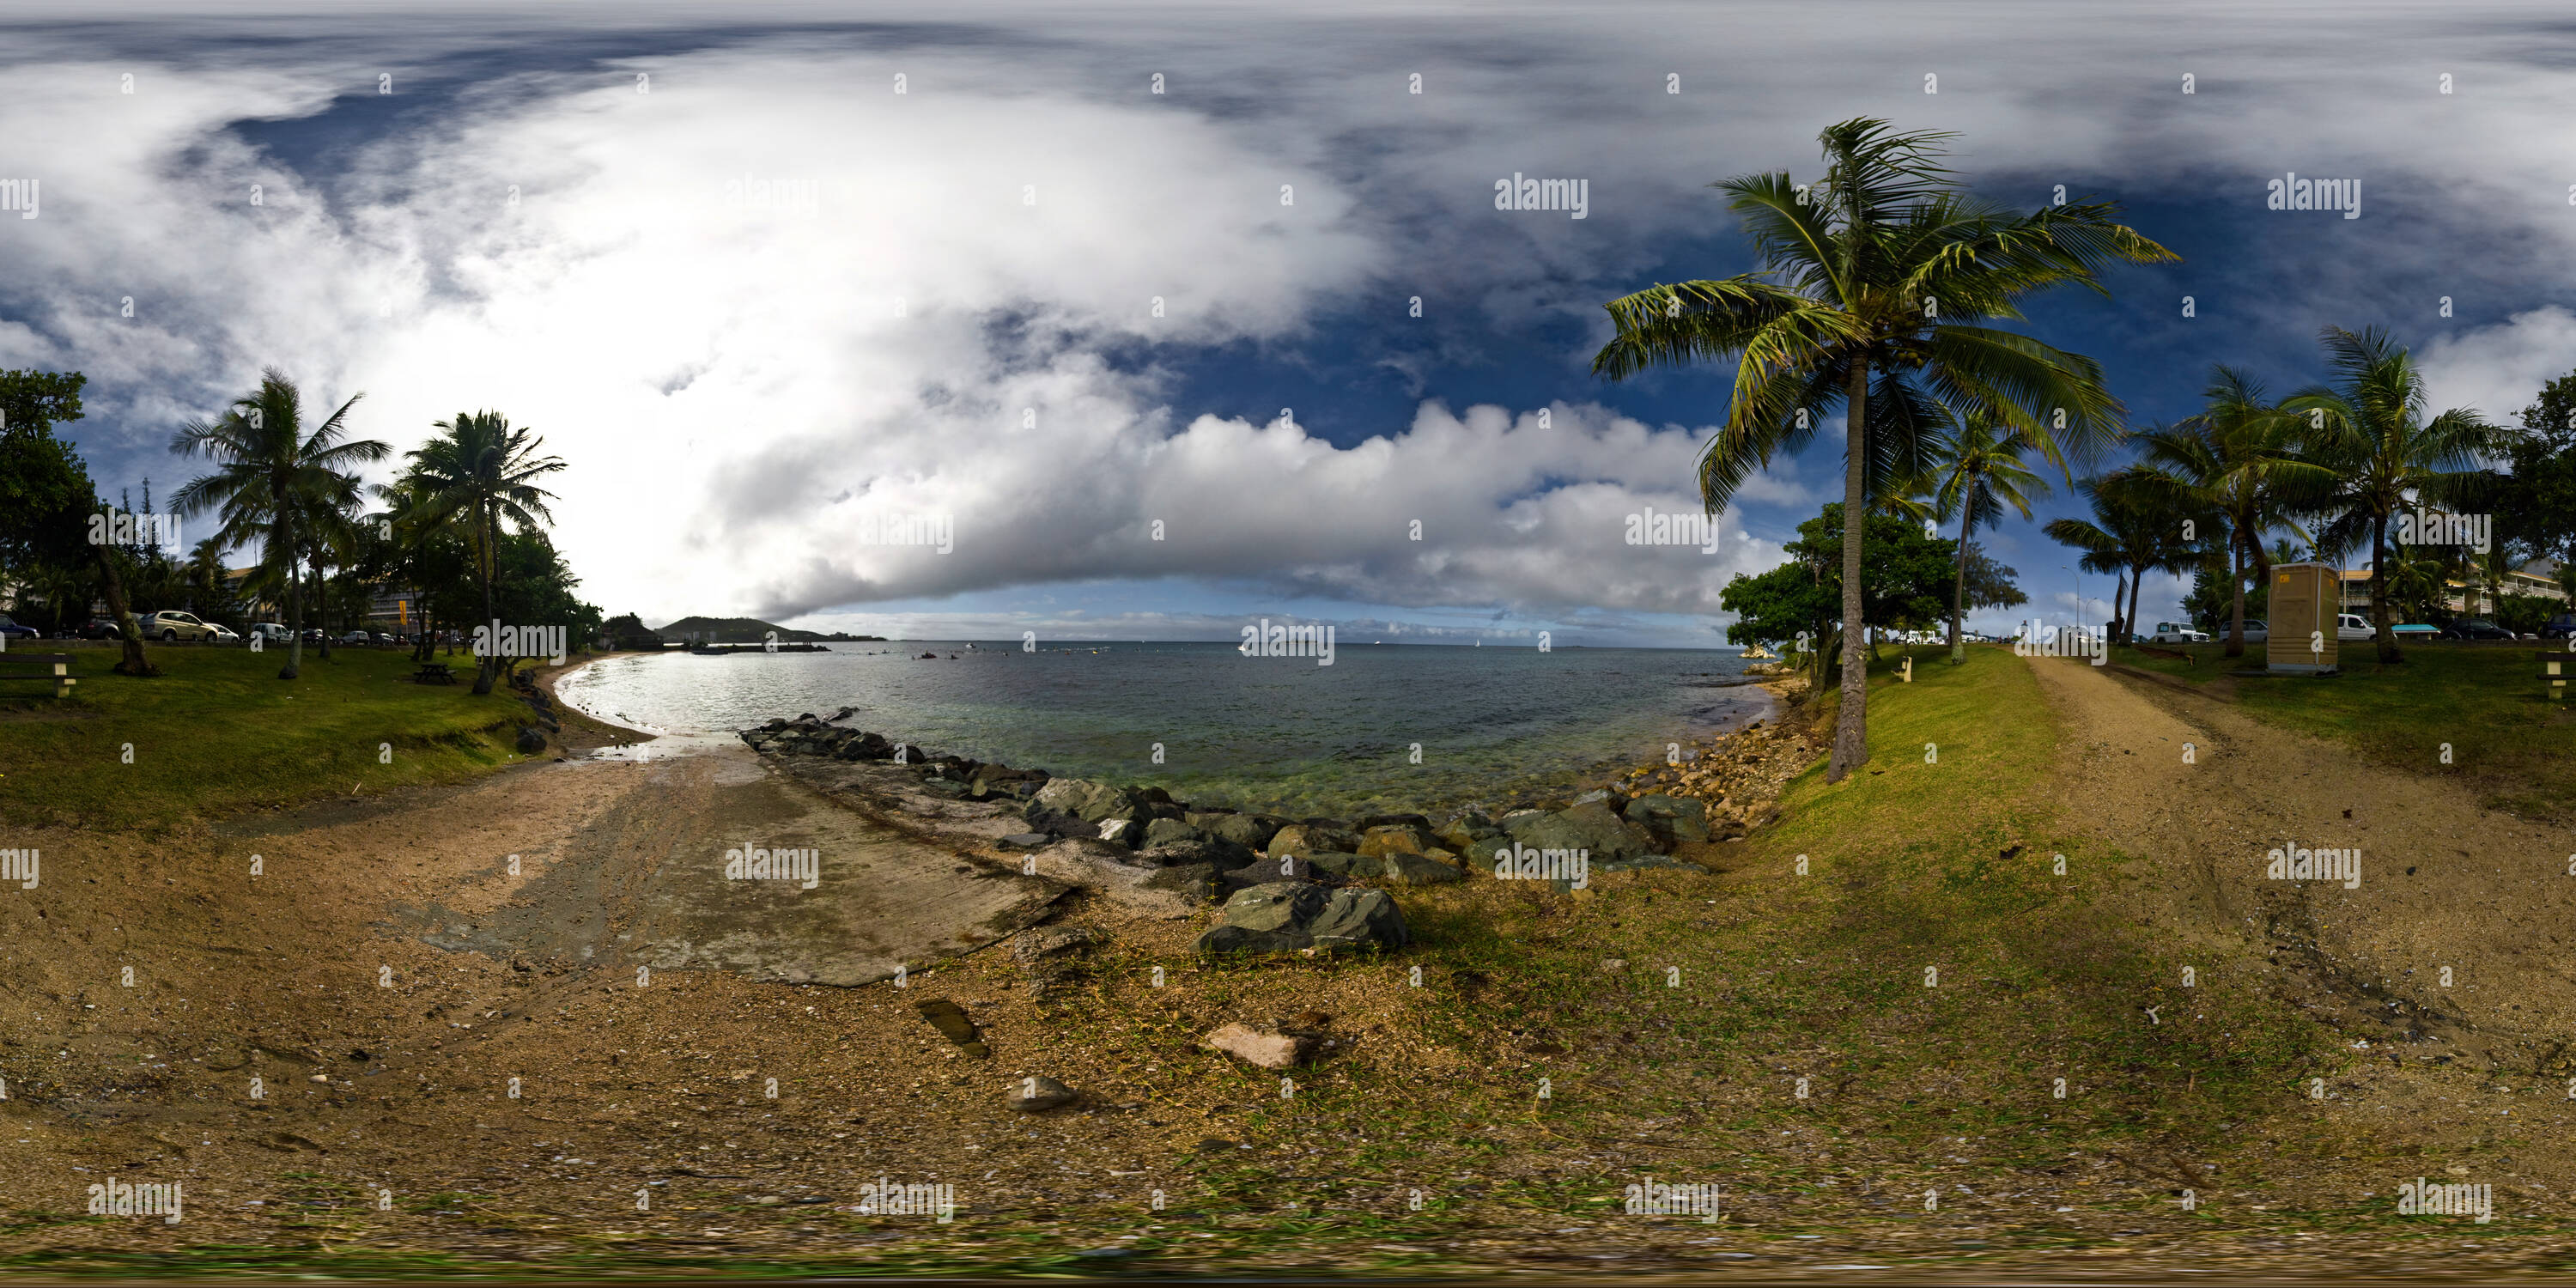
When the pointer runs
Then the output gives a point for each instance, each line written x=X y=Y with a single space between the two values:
x=742 y=630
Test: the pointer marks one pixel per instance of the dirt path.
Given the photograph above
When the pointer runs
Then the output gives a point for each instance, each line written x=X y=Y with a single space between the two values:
x=2478 y=1071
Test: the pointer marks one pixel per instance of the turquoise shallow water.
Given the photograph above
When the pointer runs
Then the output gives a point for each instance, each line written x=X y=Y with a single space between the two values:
x=1278 y=734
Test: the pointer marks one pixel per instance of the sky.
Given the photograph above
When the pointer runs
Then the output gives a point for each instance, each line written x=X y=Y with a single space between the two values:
x=1161 y=319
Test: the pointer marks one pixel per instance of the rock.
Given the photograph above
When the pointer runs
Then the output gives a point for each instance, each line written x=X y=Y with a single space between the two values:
x=1037 y=1095
x=1119 y=831
x=1224 y=856
x=1193 y=881
x=951 y=1021
x=947 y=787
x=1464 y=833
x=1420 y=869
x=531 y=739
x=1670 y=820
x=1333 y=863
x=1299 y=838
x=1057 y=823
x=1264 y=1050
x=1025 y=841
x=1358 y=919
x=1395 y=820
x=1039 y=943
x=1090 y=801
x=1589 y=827
x=864 y=746
x=1264 y=872
x=1167 y=831
x=1252 y=831
x=1400 y=838
x=1285 y=916
x=1616 y=800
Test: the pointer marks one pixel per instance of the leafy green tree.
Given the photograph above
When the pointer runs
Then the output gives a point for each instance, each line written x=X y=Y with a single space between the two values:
x=2136 y=529
x=1904 y=584
x=47 y=502
x=2537 y=503
x=478 y=477
x=1874 y=290
x=277 y=486
x=2368 y=428
x=2237 y=462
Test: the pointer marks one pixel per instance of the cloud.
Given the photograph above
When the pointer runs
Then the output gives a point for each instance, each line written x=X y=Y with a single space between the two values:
x=2500 y=369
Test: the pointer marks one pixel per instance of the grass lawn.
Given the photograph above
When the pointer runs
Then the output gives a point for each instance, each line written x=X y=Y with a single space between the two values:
x=2507 y=742
x=1553 y=1032
x=218 y=732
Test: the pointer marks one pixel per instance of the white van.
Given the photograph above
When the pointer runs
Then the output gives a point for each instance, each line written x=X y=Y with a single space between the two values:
x=2176 y=633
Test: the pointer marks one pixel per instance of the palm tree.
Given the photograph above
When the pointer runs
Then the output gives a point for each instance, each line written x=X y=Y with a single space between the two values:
x=2238 y=460
x=2368 y=429
x=204 y=577
x=1872 y=289
x=274 y=484
x=2134 y=531
x=1977 y=471
x=479 y=475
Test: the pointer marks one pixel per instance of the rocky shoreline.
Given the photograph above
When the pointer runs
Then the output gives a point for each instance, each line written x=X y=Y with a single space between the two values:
x=1297 y=884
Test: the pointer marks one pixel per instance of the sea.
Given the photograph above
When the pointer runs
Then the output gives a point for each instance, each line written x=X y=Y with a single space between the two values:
x=1385 y=729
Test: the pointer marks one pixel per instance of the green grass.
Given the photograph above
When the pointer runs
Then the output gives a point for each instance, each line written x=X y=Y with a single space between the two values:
x=218 y=733
x=1941 y=857
x=2510 y=744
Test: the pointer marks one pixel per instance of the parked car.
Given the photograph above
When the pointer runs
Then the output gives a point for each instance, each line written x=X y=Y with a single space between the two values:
x=2475 y=628
x=2352 y=628
x=99 y=628
x=222 y=634
x=2176 y=633
x=2257 y=631
x=312 y=634
x=2560 y=627
x=357 y=637
x=12 y=630
x=172 y=627
x=271 y=633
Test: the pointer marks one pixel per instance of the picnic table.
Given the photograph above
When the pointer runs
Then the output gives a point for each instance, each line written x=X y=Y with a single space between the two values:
x=49 y=668
x=433 y=673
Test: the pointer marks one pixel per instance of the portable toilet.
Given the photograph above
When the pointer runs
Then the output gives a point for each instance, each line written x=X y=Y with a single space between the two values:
x=2306 y=600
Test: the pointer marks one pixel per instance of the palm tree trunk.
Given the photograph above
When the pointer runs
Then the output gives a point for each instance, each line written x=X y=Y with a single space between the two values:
x=2379 y=625
x=113 y=585
x=322 y=605
x=1959 y=591
x=294 y=622
x=483 y=666
x=2236 y=578
x=1851 y=726
x=2129 y=626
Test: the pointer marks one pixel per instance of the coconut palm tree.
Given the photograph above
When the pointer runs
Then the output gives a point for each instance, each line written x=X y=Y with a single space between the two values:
x=2238 y=460
x=2135 y=530
x=1977 y=471
x=478 y=476
x=2367 y=427
x=1874 y=288
x=274 y=484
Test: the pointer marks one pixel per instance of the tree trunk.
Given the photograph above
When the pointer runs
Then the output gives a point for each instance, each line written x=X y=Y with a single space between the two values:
x=484 y=662
x=294 y=622
x=1959 y=591
x=322 y=605
x=112 y=584
x=2379 y=624
x=2129 y=627
x=2236 y=578
x=1851 y=725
